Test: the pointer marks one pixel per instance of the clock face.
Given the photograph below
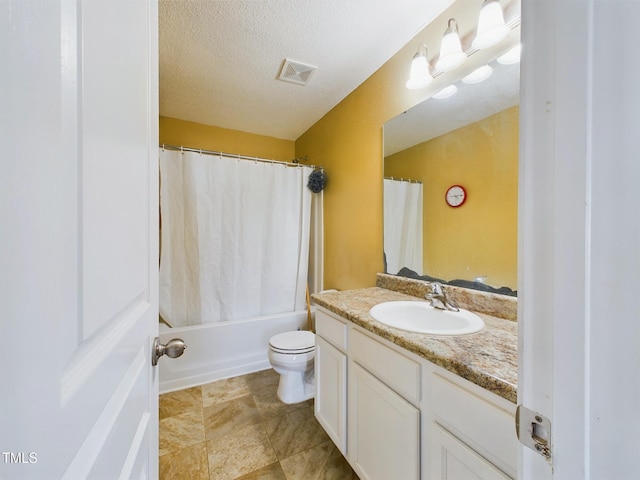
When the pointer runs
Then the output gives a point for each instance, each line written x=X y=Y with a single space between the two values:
x=456 y=196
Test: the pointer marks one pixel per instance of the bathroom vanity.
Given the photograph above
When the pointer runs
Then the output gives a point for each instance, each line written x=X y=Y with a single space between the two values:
x=413 y=406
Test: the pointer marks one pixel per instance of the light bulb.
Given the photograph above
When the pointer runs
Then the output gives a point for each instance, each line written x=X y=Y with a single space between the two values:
x=446 y=92
x=511 y=57
x=478 y=75
x=419 y=76
x=491 y=27
x=451 y=54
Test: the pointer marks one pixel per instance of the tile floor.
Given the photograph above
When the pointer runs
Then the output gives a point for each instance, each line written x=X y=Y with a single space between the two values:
x=238 y=429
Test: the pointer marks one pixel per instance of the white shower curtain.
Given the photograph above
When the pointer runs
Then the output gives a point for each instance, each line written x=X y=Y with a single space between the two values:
x=403 y=225
x=235 y=238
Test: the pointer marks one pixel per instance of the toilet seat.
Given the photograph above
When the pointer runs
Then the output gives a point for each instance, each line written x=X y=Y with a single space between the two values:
x=293 y=343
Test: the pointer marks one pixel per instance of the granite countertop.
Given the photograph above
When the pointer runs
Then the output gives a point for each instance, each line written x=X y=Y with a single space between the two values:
x=488 y=358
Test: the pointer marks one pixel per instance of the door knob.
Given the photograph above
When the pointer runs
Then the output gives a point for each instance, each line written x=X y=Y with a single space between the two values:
x=173 y=348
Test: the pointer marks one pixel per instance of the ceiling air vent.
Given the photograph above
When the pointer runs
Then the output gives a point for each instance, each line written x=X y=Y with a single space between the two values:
x=296 y=72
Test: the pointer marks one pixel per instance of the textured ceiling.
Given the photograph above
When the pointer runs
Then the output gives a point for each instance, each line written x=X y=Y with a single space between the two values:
x=219 y=60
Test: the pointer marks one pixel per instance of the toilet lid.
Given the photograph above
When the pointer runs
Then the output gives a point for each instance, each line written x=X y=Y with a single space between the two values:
x=300 y=341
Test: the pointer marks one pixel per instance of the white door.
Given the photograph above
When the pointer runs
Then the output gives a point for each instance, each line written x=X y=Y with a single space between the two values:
x=580 y=235
x=78 y=230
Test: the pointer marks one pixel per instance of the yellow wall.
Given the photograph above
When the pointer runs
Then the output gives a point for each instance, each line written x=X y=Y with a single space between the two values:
x=348 y=142
x=196 y=135
x=480 y=237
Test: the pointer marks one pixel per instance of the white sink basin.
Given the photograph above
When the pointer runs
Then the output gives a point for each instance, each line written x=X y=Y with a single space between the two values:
x=420 y=317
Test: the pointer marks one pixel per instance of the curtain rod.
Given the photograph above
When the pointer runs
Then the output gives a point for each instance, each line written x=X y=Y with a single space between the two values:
x=402 y=180
x=295 y=163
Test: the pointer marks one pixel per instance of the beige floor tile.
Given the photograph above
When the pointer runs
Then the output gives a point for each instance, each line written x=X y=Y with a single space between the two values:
x=294 y=432
x=239 y=453
x=265 y=379
x=238 y=429
x=223 y=418
x=181 y=431
x=175 y=403
x=270 y=406
x=270 y=472
x=322 y=462
x=189 y=463
x=224 y=390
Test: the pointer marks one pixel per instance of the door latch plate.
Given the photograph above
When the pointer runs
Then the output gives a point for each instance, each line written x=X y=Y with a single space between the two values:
x=534 y=431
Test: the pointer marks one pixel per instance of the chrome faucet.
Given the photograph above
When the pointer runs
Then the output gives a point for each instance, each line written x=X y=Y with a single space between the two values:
x=439 y=300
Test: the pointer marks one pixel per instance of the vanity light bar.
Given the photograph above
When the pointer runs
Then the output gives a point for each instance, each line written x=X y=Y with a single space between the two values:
x=471 y=50
x=420 y=80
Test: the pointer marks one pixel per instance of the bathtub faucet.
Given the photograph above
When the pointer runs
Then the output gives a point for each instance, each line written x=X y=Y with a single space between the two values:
x=439 y=300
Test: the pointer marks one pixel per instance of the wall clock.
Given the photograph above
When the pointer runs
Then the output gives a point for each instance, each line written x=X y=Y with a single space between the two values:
x=456 y=195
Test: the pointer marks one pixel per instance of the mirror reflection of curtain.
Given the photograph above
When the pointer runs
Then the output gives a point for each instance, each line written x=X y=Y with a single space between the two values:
x=235 y=238
x=403 y=225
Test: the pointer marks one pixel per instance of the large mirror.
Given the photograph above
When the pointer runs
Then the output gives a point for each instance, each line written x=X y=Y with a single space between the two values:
x=468 y=140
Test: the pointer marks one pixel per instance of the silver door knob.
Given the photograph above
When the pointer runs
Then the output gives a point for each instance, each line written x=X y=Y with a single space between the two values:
x=173 y=348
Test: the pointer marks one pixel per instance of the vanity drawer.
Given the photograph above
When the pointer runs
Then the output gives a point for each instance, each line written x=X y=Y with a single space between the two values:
x=399 y=372
x=487 y=427
x=331 y=329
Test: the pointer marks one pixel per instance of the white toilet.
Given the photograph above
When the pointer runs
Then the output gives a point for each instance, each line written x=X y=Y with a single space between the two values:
x=291 y=355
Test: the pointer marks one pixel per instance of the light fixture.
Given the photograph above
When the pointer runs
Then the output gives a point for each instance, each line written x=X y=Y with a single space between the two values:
x=419 y=76
x=478 y=75
x=451 y=54
x=491 y=27
x=446 y=92
x=511 y=57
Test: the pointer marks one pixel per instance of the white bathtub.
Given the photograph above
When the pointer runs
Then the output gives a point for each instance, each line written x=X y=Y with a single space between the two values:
x=222 y=350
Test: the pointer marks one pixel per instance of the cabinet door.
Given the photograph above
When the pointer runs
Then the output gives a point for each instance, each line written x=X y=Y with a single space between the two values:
x=453 y=460
x=331 y=392
x=384 y=430
x=486 y=426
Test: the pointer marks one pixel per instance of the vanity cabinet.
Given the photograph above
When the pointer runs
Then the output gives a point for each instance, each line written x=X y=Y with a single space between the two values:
x=394 y=414
x=383 y=410
x=477 y=419
x=330 y=404
x=384 y=430
x=363 y=400
x=451 y=459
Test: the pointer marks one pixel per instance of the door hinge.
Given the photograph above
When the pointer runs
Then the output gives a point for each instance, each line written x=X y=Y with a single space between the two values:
x=534 y=431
